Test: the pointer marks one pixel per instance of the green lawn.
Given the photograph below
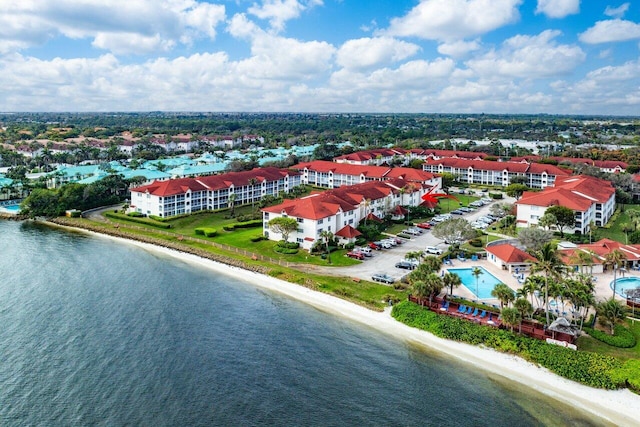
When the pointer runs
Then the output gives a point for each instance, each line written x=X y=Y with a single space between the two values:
x=587 y=343
x=615 y=227
x=447 y=205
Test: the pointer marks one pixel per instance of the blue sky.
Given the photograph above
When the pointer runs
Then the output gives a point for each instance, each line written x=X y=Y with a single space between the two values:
x=421 y=56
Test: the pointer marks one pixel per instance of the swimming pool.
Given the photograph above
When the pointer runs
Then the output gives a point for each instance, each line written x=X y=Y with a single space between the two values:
x=623 y=284
x=11 y=209
x=486 y=281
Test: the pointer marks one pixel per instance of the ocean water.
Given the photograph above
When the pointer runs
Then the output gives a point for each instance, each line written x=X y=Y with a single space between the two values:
x=95 y=332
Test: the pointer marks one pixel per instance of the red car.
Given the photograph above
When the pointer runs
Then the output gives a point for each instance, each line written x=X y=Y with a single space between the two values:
x=374 y=246
x=356 y=255
x=424 y=225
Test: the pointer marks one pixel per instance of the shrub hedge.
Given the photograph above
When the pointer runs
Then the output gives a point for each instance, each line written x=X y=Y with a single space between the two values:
x=258 y=238
x=285 y=251
x=287 y=245
x=593 y=369
x=622 y=338
x=147 y=221
x=206 y=231
x=247 y=224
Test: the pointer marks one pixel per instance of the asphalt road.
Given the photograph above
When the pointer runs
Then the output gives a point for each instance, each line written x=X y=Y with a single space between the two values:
x=384 y=260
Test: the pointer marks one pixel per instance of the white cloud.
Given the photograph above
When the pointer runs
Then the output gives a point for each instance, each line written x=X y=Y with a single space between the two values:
x=450 y=20
x=558 y=8
x=529 y=57
x=458 y=48
x=156 y=24
x=283 y=58
x=278 y=12
x=275 y=57
x=126 y=44
x=611 y=88
x=617 y=12
x=612 y=30
x=367 y=52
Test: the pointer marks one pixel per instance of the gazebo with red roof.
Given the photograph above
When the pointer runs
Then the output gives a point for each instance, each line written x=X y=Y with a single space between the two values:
x=347 y=234
x=508 y=257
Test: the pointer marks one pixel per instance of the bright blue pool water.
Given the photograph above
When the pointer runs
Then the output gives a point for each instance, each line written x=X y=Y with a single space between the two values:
x=623 y=284
x=486 y=281
x=10 y=208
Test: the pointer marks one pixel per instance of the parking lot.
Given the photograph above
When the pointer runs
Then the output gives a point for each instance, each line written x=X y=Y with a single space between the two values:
x=384 y=260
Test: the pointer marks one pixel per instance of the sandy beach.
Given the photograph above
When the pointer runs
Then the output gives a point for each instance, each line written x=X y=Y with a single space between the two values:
x=620 y=407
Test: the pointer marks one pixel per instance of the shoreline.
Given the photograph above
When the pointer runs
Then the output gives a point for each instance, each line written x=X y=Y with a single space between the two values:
x=615 y=406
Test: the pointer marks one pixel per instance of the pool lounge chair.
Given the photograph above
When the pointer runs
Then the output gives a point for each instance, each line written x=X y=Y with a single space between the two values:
x=475 y=312
x=469 y=310
x=462 y=308
x=445 y=306
x=483 y=314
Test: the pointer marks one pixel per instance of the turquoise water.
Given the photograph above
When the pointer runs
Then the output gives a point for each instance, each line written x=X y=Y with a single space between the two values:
x=625 y=283
x=95 y=332
x=10 y=208
x=486 y=281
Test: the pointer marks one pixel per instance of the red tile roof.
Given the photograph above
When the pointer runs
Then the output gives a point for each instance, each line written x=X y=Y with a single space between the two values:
x=575 y=192
x=348 y=232
x=604 y=246
x=511 y=167
x=510 y=254
x=378 y=172
x=170 y=187
x=214 y=182
x=347 y=198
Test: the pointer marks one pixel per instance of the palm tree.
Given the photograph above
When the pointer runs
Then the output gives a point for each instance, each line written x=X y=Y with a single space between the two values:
x=477 y=272
x=434 y=285
x=549 y=263
x=451 y=280
x=524 y=308
x=327 y=236
x=626 y=228
x=511 y=317
x=615 y=258
x=531 y=285
x=504 y=293
x=580 y=292
x=232 y=205
x=610 y=312
x=432 y=262
x=583 y=258
x=252 y=182
x=415 y=255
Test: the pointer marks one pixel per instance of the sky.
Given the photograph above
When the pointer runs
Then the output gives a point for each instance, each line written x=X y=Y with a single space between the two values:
x=351 y=56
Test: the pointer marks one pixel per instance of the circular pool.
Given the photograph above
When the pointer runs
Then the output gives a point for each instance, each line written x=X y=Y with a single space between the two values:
x=623 y=284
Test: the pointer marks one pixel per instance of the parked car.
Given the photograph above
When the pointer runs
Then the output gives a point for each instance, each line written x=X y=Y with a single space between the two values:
x=457 y=212
x=486 y=200
x=416 y=229
x=390 y=241
x=375 y=246
x=433 y=250
x=410 y=232
x=405 y=265
x=424 y=225
x=364 y=251
x=384 y=278
x=356 y=255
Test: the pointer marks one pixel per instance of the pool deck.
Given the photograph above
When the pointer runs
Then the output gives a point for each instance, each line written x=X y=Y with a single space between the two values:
x=602 y=289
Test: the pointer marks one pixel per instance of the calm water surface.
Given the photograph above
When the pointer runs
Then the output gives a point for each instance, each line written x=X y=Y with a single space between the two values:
x=94 y=332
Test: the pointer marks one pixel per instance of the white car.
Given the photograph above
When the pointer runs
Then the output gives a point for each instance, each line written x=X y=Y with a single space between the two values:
x=486 y=200
x=433 y=250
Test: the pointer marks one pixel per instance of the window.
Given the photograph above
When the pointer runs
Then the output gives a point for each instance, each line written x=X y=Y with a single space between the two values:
x=300 y=220
x=266 y=215
x=320 y=221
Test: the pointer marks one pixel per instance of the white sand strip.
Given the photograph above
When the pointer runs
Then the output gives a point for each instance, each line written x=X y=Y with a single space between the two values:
x=620 y=407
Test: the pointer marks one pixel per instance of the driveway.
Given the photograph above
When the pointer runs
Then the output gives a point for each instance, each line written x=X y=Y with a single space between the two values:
x=384 y=260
